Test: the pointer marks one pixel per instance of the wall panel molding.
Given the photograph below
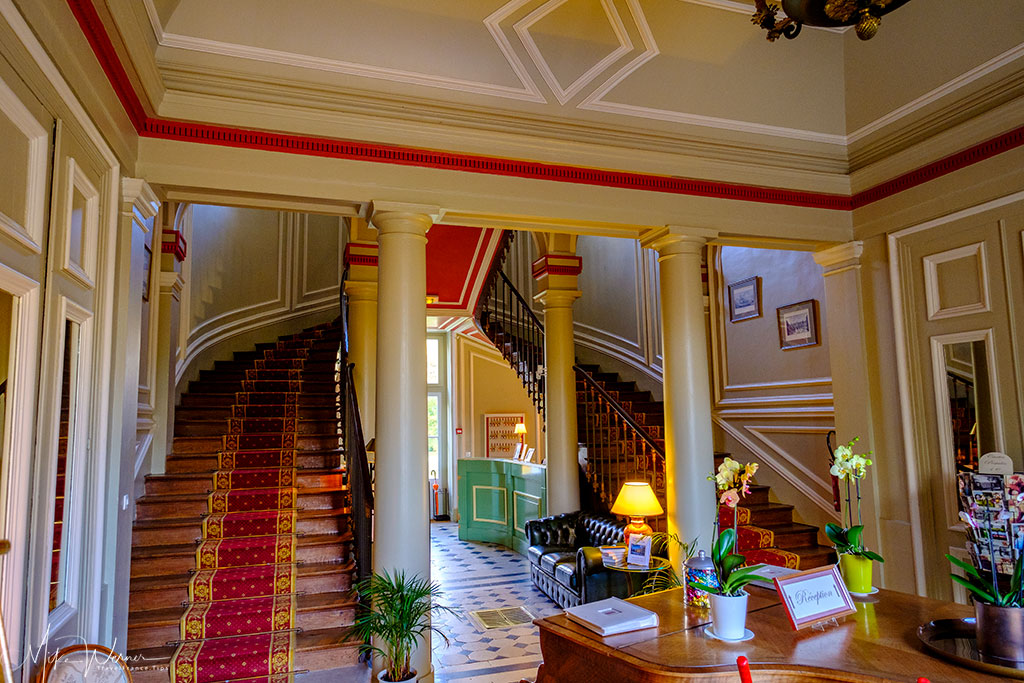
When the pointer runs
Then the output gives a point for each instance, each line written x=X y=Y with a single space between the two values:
x=27 y=229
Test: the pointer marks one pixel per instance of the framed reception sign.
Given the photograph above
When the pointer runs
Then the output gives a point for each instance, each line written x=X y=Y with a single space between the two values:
x=745 y=299
x=798 y=325
x=813 y=596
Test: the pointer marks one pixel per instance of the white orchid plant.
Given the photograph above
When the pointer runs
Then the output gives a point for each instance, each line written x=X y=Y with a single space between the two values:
x=850 y=467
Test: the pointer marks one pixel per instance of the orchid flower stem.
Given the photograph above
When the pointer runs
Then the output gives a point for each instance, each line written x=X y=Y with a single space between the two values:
x=849 y=510
x=735 y=519
x=859 y=519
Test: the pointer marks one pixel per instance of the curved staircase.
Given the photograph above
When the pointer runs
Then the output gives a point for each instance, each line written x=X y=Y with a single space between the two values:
x=241 y=560
x=766 y=530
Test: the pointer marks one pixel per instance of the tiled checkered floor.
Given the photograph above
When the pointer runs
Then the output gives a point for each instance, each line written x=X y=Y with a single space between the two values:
x=477 y=576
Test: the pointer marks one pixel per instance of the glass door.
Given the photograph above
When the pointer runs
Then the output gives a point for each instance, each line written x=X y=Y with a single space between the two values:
x=437 y=423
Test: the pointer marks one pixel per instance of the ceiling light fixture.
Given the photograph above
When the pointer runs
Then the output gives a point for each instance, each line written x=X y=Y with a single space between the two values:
x=866 y=15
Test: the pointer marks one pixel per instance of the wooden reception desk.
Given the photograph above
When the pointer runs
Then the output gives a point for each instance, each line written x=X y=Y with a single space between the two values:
x=878 y=643
x=497 y=498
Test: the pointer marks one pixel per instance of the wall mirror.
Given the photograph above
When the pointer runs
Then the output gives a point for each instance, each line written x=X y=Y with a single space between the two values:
x=66 y=448
x=969 y=399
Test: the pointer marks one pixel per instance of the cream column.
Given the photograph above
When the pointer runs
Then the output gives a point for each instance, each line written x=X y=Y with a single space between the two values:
x=689 y=449
x=361 y=288
x=173 y=250
x=401 y=520
x=556 y=276
x=852 y=392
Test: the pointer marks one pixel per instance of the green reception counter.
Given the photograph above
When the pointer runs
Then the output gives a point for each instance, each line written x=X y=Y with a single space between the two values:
x=497 y=498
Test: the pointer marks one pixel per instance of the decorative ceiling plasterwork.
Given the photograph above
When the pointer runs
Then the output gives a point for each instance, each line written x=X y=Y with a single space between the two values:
x=515 y=18
x=510 y=28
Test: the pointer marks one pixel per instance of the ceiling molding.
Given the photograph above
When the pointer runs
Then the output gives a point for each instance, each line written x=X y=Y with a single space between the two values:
x=946 y=89
x=188 y=131
x=259 y=54
x=564 y=94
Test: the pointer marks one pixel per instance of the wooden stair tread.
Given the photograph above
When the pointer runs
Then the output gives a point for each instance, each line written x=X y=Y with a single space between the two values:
x=174 y=522
x=305 y=641
x=302 y=541
x=302 y=570
x=192 y=497
x=190 y=476
x=304 y=602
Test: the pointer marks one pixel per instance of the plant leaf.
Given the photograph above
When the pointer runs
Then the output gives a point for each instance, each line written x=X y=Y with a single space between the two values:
x=977 y=590
x=853 y=536
x=968 y=568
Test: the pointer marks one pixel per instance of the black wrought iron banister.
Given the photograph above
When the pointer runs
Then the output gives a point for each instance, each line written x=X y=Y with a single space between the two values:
x=523 y=303
x=357 y=464
x=594 y=385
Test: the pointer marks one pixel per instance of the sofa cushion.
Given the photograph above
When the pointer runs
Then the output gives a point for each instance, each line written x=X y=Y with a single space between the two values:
x=565 y=574
x=549 y=560
x=597 y=530
x=535 y=552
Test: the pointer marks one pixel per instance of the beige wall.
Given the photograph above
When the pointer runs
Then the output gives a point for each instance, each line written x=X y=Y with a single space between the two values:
x=484 y=383
x=249 y=270
x=773 y=406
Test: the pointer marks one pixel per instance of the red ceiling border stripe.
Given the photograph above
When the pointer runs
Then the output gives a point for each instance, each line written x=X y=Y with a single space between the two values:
x=185 y=131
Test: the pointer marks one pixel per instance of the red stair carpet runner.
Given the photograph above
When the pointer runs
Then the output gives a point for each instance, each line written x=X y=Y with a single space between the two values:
x=240 y=622
x=753 y=542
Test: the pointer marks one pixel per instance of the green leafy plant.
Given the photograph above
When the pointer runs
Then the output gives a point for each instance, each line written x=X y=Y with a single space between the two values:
x=848 y=541
x=733 y=577
x=396 y=619
x=986 y=590
x=666 y=577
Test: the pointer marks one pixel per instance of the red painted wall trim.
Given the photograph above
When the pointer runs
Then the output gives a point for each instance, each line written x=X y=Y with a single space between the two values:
x=185 y=131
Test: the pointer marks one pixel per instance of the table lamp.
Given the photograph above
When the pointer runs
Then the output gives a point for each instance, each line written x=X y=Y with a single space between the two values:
x=636 y=500
x=521 y=431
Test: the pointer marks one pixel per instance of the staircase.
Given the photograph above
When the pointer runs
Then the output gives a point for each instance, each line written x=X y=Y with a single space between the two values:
x=616 y=454
x=623 y=429
x=242 y=551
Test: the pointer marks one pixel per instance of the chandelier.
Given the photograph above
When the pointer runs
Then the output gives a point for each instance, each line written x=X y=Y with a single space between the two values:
x=866 y=15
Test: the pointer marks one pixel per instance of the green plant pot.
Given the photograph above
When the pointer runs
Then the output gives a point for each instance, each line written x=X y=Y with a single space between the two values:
x=856 y=572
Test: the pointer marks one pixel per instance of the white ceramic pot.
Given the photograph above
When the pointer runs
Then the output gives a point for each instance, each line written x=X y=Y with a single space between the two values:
x=380 y=676
x=729 y=616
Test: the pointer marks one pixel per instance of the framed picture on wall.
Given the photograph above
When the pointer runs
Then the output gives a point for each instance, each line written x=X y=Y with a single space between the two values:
x=745 y=299
x=798 y=325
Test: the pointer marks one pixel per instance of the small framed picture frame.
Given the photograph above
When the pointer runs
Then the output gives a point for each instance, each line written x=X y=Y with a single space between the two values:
x=745 y=299
x=529 y=454
x=798 y=325
x=814 y=596
x=517 y=452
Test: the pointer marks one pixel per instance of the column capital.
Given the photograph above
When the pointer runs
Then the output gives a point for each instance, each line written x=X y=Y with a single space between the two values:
x=171 y=283
x=138 y=196
x=391 y=217
x=840 y=257
x=676 y=239
x=557 y=298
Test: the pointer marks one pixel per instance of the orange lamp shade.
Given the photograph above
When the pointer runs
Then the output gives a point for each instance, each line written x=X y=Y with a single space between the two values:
x=521 y=431
x=636 y=500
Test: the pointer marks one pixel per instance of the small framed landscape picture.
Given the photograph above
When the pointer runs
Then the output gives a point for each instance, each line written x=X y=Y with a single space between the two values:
x=745 y=299
x=529 y=454
x=798 y=325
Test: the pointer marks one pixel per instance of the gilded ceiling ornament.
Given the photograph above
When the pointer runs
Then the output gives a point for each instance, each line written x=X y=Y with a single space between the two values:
x=841 y=10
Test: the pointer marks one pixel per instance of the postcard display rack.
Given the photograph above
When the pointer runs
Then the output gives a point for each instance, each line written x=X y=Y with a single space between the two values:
x=993 y=508
x=501 y=434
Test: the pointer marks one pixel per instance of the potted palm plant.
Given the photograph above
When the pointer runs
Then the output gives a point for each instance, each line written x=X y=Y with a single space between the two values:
x=396 y=619
x=728 y=598
x=855 y=560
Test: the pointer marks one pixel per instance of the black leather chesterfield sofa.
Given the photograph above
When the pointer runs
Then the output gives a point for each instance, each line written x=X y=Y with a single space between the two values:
x=565 y=563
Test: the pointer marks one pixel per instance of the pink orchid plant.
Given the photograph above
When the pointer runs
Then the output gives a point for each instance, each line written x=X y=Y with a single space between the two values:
x=732 y=482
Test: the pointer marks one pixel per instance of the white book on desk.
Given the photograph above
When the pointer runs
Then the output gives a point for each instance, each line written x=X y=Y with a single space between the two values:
x=770 y=573
x=611 y=616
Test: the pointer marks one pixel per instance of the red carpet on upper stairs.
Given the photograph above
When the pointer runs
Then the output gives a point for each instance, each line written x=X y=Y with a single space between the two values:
x=240 y=622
